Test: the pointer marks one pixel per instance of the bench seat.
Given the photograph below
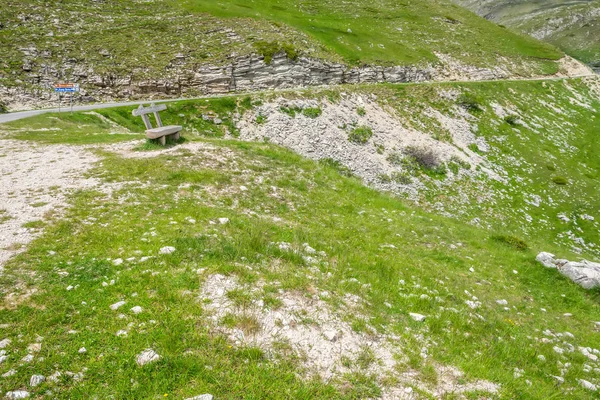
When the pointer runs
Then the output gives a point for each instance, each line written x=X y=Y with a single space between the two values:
x=161 y=131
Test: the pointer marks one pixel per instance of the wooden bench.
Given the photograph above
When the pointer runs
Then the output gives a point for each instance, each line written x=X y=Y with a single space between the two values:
x=160 y=132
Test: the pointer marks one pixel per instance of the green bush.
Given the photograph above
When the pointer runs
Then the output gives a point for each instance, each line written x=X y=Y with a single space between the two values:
x=402 y=178
x=424 y=156
x=559 y=180
x=361 y=111
x=3 y=109
x=312 y=112
x=512 y=120
x=269 y=49
x=261 y=119
x=474 y=148
x=470 y=102
x=291 y=111
x=360 y=135
x=511 y=241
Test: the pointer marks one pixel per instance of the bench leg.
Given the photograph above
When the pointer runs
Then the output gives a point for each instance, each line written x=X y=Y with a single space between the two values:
x=176 y=136
x=163 y=141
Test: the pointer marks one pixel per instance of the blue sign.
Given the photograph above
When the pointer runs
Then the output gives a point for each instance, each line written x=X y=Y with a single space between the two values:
x=66 y=90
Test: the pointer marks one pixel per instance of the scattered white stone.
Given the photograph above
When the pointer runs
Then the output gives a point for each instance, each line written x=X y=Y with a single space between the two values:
x=588 y=385
x=223 y=221
x=308 y=249
x=502 y=302
x=567 y=315
x=473 y=304
x=417 y=317
x=330 y=335
x=122 y=333
x=17 y=394
x=201 y=397
x=117 y=261
x=104 y=284
x=55 y=377
x=518 y=373
x=243 y=188
x=3 y=358
x=28 y=358
x=117 y=305
x=34 y=347
x=70 y=287
x=167 y=250
x=136 y=309
x=82 y=350
x=4 y=343
x=9 y=373
x=147 y=356
x=558 y=350
x=36 y=380
x=515 y=271
x=559 y=379
x=541 y=358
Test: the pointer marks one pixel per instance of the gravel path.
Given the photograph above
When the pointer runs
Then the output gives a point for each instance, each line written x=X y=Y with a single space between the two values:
x=36 y=180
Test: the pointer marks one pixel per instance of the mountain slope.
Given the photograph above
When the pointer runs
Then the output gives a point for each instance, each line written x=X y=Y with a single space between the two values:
x=571 y=25
x=251 y=271
x=126 y=48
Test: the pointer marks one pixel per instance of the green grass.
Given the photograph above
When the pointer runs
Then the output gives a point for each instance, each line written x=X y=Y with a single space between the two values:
x=439 y=260
x=174 y=323
x=367 y=31
x=360 y=134
x=71 y=128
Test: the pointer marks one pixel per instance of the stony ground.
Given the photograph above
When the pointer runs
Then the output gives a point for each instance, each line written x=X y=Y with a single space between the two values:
x=241 y=269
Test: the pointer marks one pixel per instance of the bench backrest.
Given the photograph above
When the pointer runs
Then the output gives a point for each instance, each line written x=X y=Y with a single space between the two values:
x=143 y=112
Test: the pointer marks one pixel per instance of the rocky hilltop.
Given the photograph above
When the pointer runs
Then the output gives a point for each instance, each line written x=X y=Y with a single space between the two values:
x=128 y=49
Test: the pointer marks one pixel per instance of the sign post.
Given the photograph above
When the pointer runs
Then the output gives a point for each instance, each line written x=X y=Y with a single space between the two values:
x=66 y=88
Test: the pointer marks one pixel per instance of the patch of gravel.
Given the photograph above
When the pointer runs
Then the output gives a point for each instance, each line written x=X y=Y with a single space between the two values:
x=326 y=137
x=322 y=340
x=36 y=180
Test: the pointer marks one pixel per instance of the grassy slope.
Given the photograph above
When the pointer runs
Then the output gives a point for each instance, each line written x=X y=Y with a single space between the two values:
x=573 y=27
x=353 y=223
x=119 y=38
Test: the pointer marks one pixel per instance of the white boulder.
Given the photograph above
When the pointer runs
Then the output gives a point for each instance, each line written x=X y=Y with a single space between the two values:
x=584 y=273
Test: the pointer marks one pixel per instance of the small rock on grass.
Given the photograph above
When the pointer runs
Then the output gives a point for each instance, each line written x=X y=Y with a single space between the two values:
x=9 y=373
x=588 y=385
x=223 y=221
x=36 y=380
x=201 y=397
x=502 y=302
x=4 y=343
x=417 y=317
x=147 y=356
x=167 y=250
x=117 y=305
x=82 y=350
x=136 y=309
x=17 y=394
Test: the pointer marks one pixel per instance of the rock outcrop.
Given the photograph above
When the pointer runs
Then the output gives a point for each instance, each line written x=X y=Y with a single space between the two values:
x=246 y=73
x=584 y=273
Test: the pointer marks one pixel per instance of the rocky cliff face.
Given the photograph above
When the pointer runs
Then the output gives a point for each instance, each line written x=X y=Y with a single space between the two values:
x=246 y=73
x=241 y=74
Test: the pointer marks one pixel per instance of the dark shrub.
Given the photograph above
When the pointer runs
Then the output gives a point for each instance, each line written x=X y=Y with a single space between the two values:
x=511 y=241
x=559 y=180
x=360 y=135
